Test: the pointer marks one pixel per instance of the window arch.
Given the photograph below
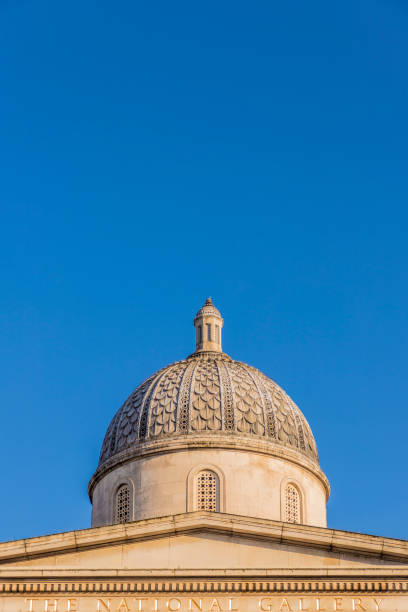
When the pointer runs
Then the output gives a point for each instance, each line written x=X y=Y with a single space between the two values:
x=122 y=504
x=293 y=504
x=207 y=491
x=199 y=493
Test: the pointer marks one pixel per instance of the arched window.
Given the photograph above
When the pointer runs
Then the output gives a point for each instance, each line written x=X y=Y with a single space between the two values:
x=207 y=491
x=292 y=504
x=122 y=504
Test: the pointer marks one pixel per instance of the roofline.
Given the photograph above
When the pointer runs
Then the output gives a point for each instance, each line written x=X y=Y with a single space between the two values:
x=273 y=531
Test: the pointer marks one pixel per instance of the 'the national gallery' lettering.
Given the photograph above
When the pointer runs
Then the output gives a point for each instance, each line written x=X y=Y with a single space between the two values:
x=208 y=604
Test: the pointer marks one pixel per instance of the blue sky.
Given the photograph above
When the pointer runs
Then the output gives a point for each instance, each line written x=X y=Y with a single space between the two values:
x=153 y=154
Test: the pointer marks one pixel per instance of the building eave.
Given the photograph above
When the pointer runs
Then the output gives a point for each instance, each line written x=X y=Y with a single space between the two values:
x=273 y=531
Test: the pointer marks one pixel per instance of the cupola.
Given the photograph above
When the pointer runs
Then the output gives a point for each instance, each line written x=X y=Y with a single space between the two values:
x=208 y=323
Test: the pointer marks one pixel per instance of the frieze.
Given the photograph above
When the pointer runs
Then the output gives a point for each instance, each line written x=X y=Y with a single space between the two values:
x=212 y=603
x=301 y=586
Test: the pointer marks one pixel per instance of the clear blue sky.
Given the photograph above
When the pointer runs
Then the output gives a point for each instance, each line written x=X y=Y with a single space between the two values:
x=155 y=153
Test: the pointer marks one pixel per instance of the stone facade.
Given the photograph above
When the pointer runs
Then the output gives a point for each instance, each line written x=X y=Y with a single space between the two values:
x=205 y=561
x=211 y=475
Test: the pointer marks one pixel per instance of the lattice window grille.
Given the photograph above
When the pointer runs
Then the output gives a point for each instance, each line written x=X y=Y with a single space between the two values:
x=207 y=491
x=122 y=509
x=292 y=504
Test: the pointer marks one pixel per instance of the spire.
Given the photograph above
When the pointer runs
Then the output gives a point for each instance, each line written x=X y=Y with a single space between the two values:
x=208 y=323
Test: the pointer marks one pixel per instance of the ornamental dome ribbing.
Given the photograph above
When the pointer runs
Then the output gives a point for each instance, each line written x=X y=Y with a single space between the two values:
x=207 y=394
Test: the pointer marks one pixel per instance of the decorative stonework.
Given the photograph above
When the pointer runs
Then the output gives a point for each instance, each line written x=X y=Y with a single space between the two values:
x=292 y=504
x=205 y=586
x=127 y=420
x=208 y=392
x=226 y=397
x=145 y=407
x=164 y=402
x=248 y=401
x=206 y=398
x=122 y=505
x=199 y=596
x=207 y=493
x=184 y=399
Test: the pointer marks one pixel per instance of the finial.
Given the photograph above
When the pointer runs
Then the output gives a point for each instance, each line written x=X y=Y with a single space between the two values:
x=208 y=323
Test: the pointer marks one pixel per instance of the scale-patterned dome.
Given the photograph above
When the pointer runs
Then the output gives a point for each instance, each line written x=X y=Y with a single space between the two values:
x=208 y=393
x=209 y=421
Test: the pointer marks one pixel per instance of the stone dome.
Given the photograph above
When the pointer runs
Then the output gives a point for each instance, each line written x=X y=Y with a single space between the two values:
x=212 y=411
x=208 y=393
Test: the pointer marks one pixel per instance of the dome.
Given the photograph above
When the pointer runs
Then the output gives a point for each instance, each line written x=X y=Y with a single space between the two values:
x=208 y=410
x=208 y=393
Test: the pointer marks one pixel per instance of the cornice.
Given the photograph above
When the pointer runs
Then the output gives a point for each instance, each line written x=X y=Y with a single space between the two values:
x=215 y=440
x=330 y=540
x=271 y=587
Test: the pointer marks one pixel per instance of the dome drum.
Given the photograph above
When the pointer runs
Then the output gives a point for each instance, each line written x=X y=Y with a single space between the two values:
x=252 y=484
